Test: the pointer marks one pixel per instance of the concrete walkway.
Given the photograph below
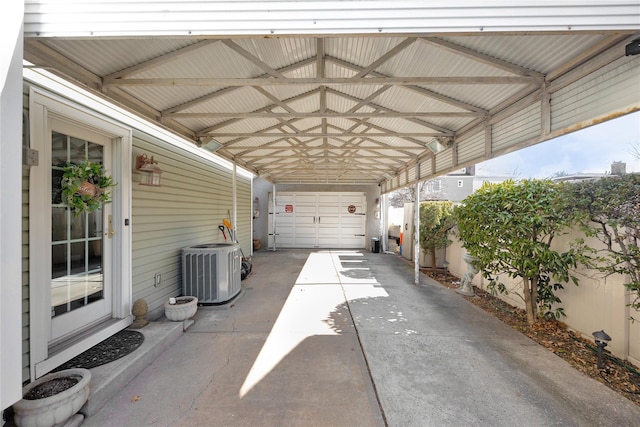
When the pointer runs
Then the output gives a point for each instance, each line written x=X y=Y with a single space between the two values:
x=344 y=338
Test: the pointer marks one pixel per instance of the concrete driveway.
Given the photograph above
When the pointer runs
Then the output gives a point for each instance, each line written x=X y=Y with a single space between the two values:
x=344 y=338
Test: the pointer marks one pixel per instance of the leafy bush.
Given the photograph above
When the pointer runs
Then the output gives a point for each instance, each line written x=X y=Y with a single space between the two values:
x=609 y=210
x=509 y=228
x=436 y=220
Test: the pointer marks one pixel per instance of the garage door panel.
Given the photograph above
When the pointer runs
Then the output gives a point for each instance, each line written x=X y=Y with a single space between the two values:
x=284 y=240
x=284 y=199
x=327 y=242
x=328 y=198
x=351 y=200
x=305 y=209
x=329 y=220
x=305 y=241
x=304 y=231
x=309 y=199
x=353 y=220
x=328 y=210
x=285 y=219
x=346 y=231
x=352 y=242
x=326 y=231
x=305 y=220
x=321 y=220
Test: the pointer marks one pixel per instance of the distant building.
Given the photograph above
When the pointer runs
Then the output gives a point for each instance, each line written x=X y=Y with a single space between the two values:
x=456 y=186
x=617 y=168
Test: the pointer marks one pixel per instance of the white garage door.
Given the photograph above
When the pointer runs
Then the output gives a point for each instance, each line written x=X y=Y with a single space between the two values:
x=319 y=220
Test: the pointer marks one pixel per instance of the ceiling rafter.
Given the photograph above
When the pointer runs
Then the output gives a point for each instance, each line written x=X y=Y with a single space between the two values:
x=261 y=134
x=483 y=58
x=426 y=92
x=385 y=57
x=267 y=109
x=385 y=109
x=225 y=91
x=364 y=114
x=161 y=60
x=327 y=81
x=324 y=115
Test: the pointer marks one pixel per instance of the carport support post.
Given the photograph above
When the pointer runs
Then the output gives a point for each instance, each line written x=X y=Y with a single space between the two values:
x=384 y=226
x=416 y=234
x=234 y=202
x=273 y=216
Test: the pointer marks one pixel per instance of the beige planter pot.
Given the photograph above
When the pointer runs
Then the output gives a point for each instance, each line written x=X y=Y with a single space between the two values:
x=49 y=411
x=181 y=311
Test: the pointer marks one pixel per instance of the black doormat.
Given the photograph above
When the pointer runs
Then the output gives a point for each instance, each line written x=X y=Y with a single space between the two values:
x=113 y=348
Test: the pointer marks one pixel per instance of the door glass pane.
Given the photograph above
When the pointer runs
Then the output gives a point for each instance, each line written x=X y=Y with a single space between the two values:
x=58 y=149
x=76 y=240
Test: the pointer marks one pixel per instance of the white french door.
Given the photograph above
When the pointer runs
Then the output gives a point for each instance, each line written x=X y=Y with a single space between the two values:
x=81 y=280
x=79 y=265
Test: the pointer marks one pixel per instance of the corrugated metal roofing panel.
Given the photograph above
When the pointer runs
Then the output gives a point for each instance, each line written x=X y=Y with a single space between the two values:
x=279 y=52
x=103 y=57
x=412 y=173
x=471 y=148
x=399 y=98
x=536 y=51
x=520 y=127
x=582 y=101
x=444 y=161
x=265 y=18
x=372 y=102
x=442 y=62
x=481 y=96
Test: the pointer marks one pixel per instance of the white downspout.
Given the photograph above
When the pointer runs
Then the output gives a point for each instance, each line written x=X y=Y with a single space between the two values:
x=234 y=201
x=384 y=235
x=416 y=234
x=273 y=217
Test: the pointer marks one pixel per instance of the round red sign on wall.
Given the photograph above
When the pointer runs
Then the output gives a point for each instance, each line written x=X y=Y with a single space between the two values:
x=351 y=209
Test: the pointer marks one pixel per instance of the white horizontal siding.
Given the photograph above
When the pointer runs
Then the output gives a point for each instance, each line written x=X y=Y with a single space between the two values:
x=582 y=101
x=426 y=168
x=444 y=161
x=471 y=148
x=146 y=17
x=193 y=199
x=523 y=126
x=412 y=173
x=402 y=179
x=244 y=206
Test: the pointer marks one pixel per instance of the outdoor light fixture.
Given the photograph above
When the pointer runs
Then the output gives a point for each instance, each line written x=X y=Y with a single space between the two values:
x=602 y=339
x=209 y=144
x=149 y=170
x=632 y=48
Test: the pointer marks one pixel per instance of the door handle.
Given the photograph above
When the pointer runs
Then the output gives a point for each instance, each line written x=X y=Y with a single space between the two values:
x=110 y=231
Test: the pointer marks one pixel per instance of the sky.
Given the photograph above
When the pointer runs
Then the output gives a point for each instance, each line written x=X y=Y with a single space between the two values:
x=590 y=150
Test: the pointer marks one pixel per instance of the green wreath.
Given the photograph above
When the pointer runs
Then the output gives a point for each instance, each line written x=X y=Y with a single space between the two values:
x=85 y=186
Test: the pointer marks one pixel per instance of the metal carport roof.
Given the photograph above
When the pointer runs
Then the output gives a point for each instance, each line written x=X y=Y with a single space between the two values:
x=349 y=92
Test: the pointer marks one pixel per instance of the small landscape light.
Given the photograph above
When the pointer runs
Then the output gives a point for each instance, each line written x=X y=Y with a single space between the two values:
x=602 y=339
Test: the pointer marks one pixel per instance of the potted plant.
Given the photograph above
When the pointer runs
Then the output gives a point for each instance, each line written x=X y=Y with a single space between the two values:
x=180 y=308
x=85 y=186
x=53 y=398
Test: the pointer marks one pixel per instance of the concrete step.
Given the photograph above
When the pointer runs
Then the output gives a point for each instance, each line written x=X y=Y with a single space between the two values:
x=107 y=380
